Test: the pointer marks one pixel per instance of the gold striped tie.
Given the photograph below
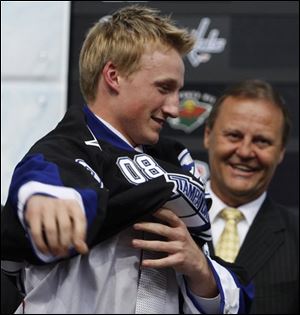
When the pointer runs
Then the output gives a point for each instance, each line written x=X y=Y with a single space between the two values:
x=228 y=245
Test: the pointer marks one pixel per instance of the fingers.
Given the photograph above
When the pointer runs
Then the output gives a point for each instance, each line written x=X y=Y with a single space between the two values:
x=56 y=225
x=156 y=228
x=168 y=216
x=174 y=250
x=62 y=236
x=174 y=230
x=51 y=233
x=79 y=230
x=34 y=221
x=81 y=246
x=170 y=261
x=180 y=249
x=157 y=246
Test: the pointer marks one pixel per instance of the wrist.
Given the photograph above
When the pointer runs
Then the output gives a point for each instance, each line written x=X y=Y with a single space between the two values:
x=202 y=282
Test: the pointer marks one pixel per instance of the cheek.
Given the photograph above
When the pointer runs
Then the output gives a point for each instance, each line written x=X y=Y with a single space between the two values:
x=269 y=162
x=224 y=150
x=134 y=110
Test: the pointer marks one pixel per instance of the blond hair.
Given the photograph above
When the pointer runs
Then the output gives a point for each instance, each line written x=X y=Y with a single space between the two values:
x=121 y=38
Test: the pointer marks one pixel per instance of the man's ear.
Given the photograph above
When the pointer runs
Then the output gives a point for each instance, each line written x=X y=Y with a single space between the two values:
x=110 y=75
x=206 y=137
x=281 y=156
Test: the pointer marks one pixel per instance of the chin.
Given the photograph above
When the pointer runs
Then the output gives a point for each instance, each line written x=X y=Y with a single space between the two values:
x=242 y=190
x=151 y=140
x=237 y=185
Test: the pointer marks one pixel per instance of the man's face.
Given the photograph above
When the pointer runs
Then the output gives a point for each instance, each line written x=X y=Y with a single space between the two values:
x=244 y=147
x=149 y=96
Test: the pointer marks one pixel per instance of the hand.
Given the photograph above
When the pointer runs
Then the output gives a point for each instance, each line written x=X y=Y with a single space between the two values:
x=184 y=255
x=56 y=224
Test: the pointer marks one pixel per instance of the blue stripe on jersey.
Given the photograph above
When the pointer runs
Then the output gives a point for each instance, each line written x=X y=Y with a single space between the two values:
x=219 y=285
x=188 y=167
x=182 y=155
x=33 y=168
x=246 y=294
x=90 y=202
x=190 y=295
x=198 y=230
x=185 y=154
x=103 y=132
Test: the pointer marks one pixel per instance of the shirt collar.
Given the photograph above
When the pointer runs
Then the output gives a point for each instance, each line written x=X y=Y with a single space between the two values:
x=249 y=210
x=105 y=131
x=114 y=130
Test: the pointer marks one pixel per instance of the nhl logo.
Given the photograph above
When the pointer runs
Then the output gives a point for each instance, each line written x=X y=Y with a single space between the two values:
x=194 y=108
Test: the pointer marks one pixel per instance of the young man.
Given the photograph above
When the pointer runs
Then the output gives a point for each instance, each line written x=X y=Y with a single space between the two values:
x=103 y=181
x=246 y=136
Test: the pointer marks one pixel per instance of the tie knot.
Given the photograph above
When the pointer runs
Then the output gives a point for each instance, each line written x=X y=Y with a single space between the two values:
x=232 y=214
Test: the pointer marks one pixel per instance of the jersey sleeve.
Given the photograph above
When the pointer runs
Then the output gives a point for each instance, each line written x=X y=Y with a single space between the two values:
x=54 y=169
x=191 y=202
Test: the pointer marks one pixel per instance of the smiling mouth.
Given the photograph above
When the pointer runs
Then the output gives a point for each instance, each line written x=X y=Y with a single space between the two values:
x=243 y=168
x=160 y=121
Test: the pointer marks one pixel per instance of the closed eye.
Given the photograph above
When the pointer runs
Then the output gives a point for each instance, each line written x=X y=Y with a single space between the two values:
x=167 y=86
x=164 y=89
x=262 y=142
x=233 y=136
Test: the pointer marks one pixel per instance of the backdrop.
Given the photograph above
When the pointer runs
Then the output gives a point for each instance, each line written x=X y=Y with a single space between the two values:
x=237 y=40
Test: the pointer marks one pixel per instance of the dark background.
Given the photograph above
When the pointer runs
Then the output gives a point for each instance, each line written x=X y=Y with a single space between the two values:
x=262 y=42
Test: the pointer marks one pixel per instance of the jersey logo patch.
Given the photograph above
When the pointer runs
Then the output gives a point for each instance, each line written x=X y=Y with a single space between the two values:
x=92 y=172
x=192 y=191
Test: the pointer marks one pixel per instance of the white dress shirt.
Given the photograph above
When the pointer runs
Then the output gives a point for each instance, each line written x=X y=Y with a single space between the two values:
x=249 y=211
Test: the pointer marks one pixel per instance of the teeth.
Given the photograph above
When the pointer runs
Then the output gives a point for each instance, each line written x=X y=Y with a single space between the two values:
x=243 y=168
x=161 y=121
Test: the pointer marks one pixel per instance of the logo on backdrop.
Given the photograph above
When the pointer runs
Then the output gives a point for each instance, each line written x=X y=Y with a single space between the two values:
x=203 y=169
x=194 y=108
x=205 y=46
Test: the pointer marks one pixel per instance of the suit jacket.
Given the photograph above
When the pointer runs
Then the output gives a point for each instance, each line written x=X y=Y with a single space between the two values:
x=270 y=255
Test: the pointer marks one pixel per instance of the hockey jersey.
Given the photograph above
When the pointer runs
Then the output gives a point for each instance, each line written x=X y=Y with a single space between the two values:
x=116 y=185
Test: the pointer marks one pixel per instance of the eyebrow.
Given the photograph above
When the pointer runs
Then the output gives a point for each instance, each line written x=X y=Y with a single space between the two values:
x=171 y=82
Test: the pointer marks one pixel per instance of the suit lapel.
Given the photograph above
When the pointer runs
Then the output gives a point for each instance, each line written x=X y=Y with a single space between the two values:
x=265 y=235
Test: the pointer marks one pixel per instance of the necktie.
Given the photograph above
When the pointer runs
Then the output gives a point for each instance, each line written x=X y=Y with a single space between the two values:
x=228 y=245
x=152 y=288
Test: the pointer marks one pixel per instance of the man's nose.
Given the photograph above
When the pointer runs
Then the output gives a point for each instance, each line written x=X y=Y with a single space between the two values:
x=171 y=107
x=245 y=149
